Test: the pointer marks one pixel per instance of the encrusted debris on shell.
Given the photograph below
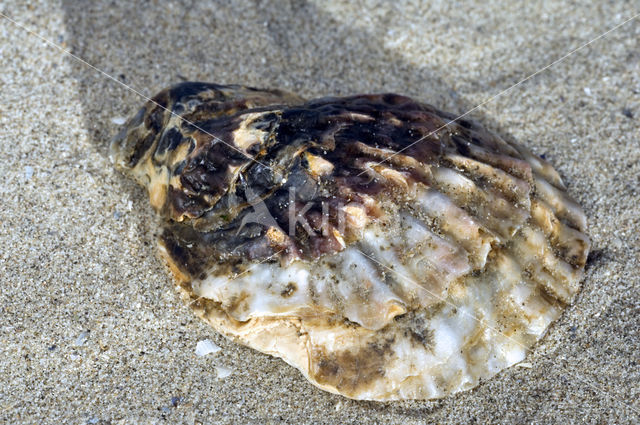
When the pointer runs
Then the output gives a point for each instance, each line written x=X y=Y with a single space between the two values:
x=320 y=232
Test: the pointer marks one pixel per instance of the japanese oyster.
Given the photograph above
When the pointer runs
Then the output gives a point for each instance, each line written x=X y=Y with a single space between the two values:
x=320 y=232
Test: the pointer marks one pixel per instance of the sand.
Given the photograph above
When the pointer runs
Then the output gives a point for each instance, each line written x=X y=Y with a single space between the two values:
x=91 y=329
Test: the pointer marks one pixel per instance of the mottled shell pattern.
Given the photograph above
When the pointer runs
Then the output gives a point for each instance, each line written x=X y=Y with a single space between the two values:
x=320 y=232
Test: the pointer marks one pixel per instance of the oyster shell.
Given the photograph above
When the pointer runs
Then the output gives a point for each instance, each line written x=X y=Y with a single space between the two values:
x=320 y=232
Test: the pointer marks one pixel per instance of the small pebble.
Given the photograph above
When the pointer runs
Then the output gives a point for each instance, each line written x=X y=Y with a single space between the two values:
x=525 y=365
x=118 y=120
x=617 y=243
x=28 y=172
x=205 y=347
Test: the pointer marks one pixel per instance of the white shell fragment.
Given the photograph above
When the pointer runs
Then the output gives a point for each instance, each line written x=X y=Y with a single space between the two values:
x=223 y=372
x=384 y=251
x=205 y=347
x=81 y=339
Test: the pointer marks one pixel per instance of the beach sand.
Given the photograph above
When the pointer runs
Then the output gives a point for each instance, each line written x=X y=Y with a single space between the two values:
x=91 y=329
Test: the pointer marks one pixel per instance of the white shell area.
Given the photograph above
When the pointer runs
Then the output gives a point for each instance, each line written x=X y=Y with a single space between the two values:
x=413 y=309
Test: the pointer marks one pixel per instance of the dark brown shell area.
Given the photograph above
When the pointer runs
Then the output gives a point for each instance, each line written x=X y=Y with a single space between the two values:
x=221 y=171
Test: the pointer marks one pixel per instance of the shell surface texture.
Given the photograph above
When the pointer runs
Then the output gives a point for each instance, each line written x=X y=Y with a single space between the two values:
x=320 y=232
